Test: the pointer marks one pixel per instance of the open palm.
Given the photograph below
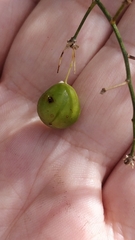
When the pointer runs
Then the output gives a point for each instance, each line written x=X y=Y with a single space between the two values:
x=72 y=183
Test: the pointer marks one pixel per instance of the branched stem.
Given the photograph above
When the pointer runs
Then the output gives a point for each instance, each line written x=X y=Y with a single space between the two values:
x=130 y=158
x=128 y=72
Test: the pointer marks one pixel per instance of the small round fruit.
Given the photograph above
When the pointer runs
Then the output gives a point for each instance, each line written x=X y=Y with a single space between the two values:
x=59 y=106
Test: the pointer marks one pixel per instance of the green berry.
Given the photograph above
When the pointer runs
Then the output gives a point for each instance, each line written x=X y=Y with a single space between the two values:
x=59 y=106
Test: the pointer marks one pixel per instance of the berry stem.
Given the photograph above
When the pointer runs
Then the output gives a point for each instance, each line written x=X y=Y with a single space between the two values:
x=84 y=19
x=72 y=64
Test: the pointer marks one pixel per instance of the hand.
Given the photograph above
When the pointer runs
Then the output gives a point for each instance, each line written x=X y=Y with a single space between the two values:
x=72 y=183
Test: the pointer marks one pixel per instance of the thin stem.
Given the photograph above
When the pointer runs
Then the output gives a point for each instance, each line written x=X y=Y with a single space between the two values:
x=127 y=66
x=83 y=20
x=72 y=42
x=72 y=64
x=112 y=87
x=121 y=9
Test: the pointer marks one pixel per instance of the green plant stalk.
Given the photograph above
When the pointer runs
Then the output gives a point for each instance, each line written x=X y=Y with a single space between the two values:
x=93 y=4
x=73 y=39
x=120 y=10
x=123 y=50
x=127 y=66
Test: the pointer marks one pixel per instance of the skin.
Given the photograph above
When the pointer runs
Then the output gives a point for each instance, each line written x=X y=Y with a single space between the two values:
x=64 y=184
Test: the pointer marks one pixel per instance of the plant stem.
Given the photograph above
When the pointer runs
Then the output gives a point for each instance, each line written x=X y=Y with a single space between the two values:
x=121 y=9
x=73 y=39
x=130 y=158
x=72 y=64
x=72 y=42
x=117 y=14
x=127 y=66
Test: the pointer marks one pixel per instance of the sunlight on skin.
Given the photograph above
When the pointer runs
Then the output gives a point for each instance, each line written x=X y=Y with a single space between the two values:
x=67 y=184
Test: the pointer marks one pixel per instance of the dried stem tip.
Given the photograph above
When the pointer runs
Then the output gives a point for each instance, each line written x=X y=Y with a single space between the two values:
x=112 y=87
x=70 y=44
x=129 y=160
